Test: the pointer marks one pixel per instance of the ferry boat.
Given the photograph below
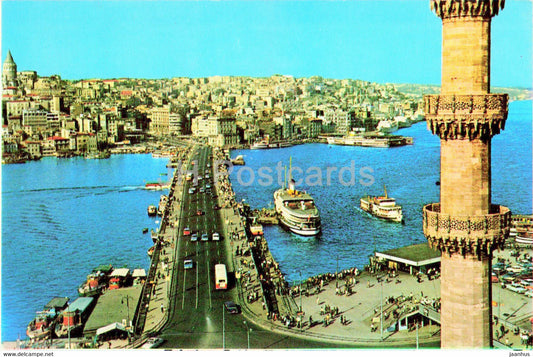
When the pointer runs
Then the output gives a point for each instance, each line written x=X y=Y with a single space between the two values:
x=376 y=141
x=96 y=281
x=382 y=207
x=152 y=210
x=297 y=210
x=266 y=144
x=74 y=317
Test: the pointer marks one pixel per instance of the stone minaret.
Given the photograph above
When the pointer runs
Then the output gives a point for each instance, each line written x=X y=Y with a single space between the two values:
x=465 y=226
x=9 y=71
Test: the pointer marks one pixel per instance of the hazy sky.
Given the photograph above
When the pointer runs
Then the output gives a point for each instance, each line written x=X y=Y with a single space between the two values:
x=381 y=41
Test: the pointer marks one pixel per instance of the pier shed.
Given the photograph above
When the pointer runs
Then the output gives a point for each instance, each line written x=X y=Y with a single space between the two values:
x=413 y=258
x=113 y=306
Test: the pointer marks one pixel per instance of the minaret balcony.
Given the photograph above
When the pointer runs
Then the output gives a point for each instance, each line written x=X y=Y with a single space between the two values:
x=462 y=234
x=454 y=116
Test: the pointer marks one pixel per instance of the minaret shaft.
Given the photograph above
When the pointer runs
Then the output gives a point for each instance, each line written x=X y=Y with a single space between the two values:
x=465 y=226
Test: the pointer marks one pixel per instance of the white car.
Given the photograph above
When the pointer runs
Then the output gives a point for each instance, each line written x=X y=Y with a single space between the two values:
x=529 y=293
x=188 y=264
x=153 y=342
x=216 y=236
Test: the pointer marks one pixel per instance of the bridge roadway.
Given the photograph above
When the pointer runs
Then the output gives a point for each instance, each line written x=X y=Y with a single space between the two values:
x=196 y=313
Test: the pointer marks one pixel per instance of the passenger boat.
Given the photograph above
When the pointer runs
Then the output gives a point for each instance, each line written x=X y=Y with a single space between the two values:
x=297 y=211
x=382 y=207
x=96 y=281
x=152 y=210
x=74 y=317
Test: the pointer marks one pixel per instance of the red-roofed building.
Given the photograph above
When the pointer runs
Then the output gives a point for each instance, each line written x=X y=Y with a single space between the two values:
x=126 y=93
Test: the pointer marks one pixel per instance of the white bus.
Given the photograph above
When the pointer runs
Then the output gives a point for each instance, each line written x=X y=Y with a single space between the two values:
x=221 y=277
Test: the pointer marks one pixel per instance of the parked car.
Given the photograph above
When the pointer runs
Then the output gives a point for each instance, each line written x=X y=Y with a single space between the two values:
x=205 y=237
x=153 y=342
x=515 y=269
x=216 y=236
x=529 y=293
x=516 y=288
x=187 y=231
x=194 y=237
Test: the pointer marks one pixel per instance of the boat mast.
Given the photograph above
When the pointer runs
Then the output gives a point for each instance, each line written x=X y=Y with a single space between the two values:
x=385 y=187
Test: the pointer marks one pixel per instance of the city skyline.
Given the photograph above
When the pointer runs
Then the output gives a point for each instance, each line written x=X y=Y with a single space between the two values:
x=334 y=39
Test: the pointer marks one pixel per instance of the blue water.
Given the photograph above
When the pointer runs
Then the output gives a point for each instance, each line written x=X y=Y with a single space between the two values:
x=63 y=217
x=409 y=173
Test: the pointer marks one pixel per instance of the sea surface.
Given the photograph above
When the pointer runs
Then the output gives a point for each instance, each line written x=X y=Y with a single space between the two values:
x=63 y=217
x=350 y=235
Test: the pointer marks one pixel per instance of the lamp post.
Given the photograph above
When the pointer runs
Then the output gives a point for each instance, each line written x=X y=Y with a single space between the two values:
x=68 y=326
x=381 y=317
x=127 y=297
x=247 y=333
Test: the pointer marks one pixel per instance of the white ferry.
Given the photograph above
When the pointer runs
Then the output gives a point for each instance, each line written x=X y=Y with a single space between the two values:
x=382 y=207
x=297 y=211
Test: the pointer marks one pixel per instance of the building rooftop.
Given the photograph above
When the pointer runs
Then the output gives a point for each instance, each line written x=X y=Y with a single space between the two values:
x=417 y=255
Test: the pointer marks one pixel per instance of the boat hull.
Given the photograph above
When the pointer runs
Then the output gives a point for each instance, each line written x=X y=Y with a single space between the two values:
x=310 y=232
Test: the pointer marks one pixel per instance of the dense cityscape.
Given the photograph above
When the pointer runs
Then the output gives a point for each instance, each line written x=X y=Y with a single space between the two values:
x=49 y=116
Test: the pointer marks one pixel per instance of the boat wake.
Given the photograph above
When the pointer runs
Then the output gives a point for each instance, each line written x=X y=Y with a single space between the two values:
x=91 y=189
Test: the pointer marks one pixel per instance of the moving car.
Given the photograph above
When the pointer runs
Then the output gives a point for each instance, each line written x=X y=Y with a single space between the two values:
x=231 y=307
x=153 y=342
x=188 y=264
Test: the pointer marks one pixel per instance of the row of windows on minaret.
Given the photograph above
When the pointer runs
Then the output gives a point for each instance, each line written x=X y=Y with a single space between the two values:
x=9 y=71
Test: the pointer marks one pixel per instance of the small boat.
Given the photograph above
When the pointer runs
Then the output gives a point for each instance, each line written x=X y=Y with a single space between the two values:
x=119 y=278
x=145 y=230
x=152 y=210
x=156 y=186
x=162 y=205
x=151 y=251
x=96 y=281
x=382 y=207
x=43 y=325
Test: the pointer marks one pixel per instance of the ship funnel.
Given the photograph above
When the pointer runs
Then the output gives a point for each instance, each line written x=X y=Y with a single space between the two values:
x=292 y=185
